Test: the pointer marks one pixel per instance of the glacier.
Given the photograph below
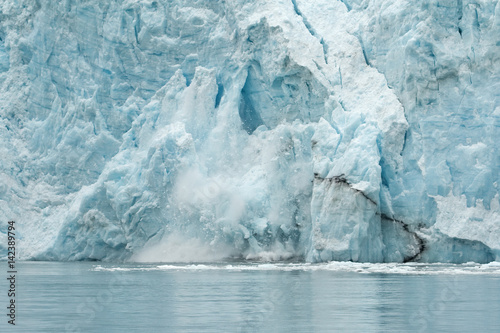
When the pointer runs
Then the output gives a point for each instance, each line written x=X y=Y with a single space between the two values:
x=354 y=130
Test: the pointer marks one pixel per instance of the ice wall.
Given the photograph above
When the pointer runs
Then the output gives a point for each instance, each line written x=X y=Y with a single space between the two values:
x=442 y=60
x=198 y=130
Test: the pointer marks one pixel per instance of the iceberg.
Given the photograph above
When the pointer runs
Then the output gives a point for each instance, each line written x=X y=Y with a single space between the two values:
x=324 y=130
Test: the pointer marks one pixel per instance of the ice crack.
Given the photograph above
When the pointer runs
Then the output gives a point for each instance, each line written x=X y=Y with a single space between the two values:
x=405 y=226
x=312 y=31
x=343 y=181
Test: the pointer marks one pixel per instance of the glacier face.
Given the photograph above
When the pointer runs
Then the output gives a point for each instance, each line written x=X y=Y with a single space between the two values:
x=198 y=130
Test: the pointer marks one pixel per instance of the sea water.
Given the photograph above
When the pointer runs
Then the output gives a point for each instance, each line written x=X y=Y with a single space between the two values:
x=255 y=297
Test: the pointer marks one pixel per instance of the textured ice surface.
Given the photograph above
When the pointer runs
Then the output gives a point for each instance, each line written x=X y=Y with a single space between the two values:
x=197 y=130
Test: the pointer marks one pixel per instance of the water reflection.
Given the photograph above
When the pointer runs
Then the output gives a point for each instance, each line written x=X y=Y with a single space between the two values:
x=75 y=297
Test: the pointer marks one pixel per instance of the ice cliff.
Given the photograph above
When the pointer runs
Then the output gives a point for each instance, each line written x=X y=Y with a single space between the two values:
x=362 y=130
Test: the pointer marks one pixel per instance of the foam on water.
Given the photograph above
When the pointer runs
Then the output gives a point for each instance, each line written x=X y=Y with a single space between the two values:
x=191 y=130
x=363 y=268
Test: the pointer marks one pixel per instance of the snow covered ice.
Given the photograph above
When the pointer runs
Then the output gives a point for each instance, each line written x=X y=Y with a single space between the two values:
x=322 y=130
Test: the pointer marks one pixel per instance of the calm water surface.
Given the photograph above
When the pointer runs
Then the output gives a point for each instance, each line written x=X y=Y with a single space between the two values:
x=242 y=297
